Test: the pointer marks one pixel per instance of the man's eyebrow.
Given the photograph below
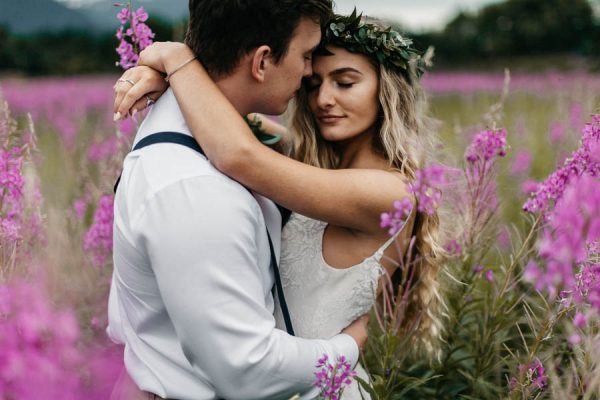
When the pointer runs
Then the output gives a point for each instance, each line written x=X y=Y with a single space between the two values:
x=340 y=71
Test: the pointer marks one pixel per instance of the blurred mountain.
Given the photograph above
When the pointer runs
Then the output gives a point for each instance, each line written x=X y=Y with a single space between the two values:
x=26 y=16
x=30 y=16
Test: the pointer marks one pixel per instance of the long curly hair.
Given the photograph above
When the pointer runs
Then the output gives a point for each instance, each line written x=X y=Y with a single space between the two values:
x=406 y=139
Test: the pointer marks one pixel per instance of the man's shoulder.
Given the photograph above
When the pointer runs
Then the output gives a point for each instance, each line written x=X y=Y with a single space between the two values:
x=160 y=166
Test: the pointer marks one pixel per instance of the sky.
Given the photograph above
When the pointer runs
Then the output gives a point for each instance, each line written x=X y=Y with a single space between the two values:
x=413 y=14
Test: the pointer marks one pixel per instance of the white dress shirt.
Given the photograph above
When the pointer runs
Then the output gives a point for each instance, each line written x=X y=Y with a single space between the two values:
x=191 y=294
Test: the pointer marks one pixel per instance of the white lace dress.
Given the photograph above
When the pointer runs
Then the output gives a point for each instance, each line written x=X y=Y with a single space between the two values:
x=323 y=300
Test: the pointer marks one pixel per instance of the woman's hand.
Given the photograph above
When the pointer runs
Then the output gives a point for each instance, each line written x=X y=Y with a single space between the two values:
x=136 y=89
x=141 y=86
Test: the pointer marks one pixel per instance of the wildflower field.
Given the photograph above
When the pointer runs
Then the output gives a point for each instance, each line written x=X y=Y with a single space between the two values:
x=522 y=287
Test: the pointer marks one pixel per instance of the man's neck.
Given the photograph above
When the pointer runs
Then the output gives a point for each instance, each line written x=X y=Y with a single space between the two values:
x=234 y=90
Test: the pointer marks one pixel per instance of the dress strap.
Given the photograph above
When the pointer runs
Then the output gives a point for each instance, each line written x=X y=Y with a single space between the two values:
x=379 y=253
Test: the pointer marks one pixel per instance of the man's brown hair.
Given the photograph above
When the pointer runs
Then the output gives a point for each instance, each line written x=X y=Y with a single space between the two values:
x=221 y=32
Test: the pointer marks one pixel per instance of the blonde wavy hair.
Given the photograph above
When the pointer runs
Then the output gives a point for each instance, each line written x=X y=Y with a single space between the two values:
x=406 y=140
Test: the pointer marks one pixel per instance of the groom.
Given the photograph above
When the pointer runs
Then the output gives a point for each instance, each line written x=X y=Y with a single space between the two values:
x=191 y=295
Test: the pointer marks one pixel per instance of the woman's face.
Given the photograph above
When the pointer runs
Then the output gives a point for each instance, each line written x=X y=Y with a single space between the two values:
x=343 y=94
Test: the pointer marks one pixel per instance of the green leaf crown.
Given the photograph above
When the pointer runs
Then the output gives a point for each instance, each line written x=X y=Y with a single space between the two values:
x=386 y=46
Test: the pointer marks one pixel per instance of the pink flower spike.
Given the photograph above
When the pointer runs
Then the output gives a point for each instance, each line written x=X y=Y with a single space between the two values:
x=575 y=339
x=579 y=320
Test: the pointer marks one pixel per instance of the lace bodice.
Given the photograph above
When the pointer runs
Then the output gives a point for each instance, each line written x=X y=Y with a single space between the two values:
x=323 y=300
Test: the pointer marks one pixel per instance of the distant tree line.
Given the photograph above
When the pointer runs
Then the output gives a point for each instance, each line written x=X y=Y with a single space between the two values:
x=70 y=52
x=512 y=28
x=517 y=28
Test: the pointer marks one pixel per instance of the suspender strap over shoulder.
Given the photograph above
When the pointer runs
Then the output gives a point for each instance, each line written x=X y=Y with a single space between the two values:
x=190 y=142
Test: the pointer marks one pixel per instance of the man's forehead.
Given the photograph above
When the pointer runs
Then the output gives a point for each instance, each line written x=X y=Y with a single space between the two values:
x=308 y=32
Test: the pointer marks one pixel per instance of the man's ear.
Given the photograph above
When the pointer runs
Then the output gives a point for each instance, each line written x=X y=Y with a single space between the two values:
x=260 y=62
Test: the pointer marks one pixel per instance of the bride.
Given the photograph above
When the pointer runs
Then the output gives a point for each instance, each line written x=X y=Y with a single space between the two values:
x=356 y=136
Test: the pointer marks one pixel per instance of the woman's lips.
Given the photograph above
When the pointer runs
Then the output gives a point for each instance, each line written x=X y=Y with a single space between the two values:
x=329 y=119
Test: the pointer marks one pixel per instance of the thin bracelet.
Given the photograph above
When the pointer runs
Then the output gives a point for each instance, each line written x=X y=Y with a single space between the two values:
x=178 y=68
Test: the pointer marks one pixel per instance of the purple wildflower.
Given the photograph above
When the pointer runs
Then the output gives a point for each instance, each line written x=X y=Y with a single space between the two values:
x=395 y=220
x=11 y=195
x=427 y=187
x=37 y=344
x=453 y=247
x=576 y=115
x=486 y=145
x=99 y=239
x=521 y=163
x=534 y=374
x=133 y=39
x=579 y=320
x=331 y=379
x=557 y=132
x=574 y=339
x=588 y=285
x=572 y=227
x=583 y=160
x=79 y=208
x=529 y=186
x=489 y=275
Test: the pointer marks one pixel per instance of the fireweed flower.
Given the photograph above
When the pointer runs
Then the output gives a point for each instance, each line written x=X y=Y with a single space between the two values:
x=11 y=194
x=521 y=163
x=583 y=160
x=38 y=344
x=487 y=145
x=331 y=379
x=579 y=320
x=557 y=132
x=427 y=187
x=395 y=220
x=565 y=244
x=453 y=248
x=134 y=38
x=99 y=239
x=529 y=186
x=481 y=156
x=535 y=373
x=80 y=207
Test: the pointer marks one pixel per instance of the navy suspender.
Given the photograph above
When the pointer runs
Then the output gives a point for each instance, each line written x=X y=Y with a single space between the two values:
x=189 y=141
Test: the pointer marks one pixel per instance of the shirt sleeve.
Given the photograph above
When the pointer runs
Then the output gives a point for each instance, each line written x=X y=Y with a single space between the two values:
x=201 y=237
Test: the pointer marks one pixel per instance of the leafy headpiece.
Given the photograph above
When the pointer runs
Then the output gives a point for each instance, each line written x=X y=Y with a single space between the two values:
x=386 y=46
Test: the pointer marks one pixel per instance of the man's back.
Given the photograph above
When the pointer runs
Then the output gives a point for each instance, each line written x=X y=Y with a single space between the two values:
x=170 y=181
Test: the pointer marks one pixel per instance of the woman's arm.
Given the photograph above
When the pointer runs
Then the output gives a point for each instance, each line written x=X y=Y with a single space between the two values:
x=352 y=198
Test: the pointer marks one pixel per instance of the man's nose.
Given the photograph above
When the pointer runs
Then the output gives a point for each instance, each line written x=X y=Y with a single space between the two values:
x=308 y=71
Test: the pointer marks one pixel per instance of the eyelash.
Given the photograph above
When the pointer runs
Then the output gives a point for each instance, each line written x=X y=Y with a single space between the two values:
x=310 y=88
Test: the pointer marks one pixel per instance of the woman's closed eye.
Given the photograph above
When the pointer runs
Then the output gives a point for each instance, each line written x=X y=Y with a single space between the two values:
x=345 y=85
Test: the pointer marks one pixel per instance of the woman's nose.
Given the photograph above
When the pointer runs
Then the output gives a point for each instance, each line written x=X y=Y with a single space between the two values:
x=325 y=97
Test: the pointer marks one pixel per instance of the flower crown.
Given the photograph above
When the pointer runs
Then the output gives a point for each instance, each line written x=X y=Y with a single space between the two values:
x=386 y=46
